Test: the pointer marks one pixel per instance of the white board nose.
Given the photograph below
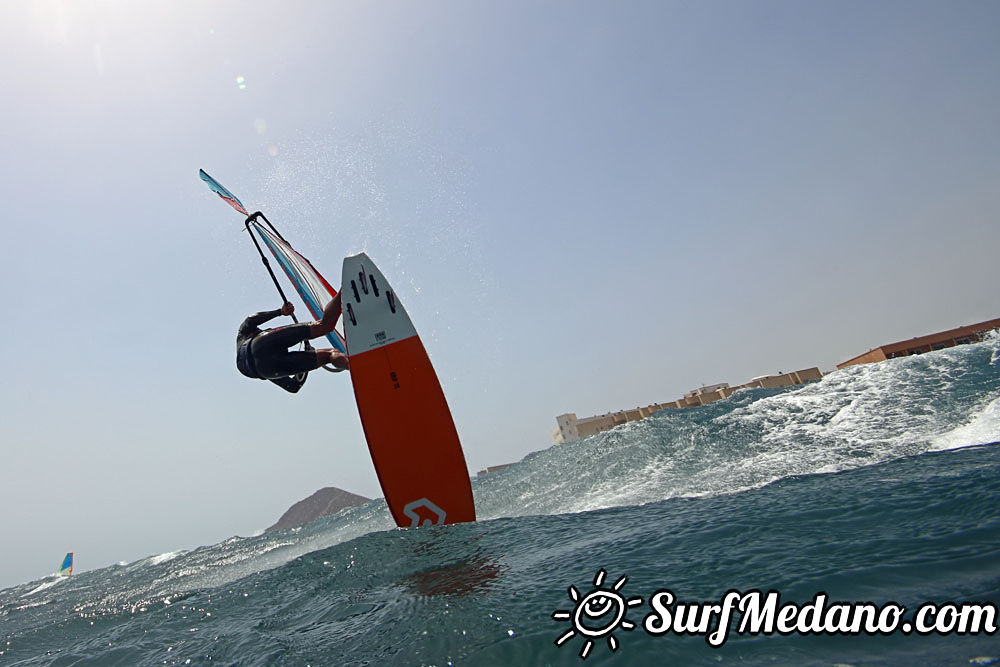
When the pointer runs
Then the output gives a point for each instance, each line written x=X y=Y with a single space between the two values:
x=373 y=316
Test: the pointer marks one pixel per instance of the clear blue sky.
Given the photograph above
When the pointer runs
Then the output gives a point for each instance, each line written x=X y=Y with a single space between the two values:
x=586 y=206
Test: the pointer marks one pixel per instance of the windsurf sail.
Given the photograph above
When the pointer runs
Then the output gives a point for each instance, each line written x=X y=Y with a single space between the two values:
x=314 y=289
x=66 y=569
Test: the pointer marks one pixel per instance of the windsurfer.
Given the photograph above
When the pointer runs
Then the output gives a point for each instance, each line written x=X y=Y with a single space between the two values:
x=264 y=354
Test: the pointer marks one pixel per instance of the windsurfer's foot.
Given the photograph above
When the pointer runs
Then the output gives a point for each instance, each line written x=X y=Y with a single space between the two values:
x=340 y=362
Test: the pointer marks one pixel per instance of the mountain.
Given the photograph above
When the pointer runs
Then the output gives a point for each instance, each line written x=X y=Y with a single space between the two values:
x=322 y=503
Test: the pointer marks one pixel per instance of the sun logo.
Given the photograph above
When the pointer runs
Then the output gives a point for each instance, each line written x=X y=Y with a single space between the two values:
x=597 y=614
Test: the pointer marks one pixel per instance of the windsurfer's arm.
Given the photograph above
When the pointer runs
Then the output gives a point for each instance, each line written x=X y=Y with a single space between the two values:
x=329 y=320
x=292 y=383
x=257 y=319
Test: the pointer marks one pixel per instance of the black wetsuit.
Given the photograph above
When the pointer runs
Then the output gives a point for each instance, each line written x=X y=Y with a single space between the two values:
x=265 y=355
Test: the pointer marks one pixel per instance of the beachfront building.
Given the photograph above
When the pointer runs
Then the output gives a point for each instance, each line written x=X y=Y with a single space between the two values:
x=929 y=343
x=492 y=469
x=569 y=428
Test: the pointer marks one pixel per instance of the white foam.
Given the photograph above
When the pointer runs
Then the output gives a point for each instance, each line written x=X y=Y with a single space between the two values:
x=982 y=429
x=58 y=579
x=163 y=558
x=858 y=416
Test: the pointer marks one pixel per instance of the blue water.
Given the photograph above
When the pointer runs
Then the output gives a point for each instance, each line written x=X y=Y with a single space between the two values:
x=878 y=483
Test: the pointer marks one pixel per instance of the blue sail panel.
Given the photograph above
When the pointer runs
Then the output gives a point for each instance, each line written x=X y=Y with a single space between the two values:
x=66 y=568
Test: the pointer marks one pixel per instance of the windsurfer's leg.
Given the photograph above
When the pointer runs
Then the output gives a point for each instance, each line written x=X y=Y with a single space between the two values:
x=279 y=339
x=329 y=320
x=289 y=363
x=270 y=350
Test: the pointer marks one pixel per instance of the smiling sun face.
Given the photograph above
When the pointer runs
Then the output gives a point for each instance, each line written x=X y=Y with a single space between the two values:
x=597 y=614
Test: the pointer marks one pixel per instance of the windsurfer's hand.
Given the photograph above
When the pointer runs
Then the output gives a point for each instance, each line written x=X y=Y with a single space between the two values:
x=287 y=308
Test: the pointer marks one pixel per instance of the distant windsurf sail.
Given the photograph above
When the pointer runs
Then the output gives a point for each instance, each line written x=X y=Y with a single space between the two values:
x=66 y=569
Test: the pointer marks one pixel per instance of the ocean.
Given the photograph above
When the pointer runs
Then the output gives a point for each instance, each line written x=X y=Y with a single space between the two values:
x=830 y=516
